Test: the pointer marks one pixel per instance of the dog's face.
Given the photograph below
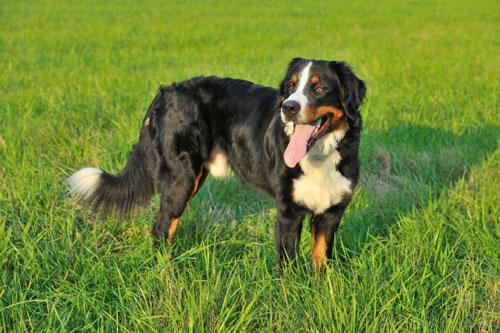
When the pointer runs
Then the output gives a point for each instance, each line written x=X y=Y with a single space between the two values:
x=316 y=98
x=314 y=90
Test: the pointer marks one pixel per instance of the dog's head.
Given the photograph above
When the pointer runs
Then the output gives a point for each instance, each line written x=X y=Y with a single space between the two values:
x=316 y=98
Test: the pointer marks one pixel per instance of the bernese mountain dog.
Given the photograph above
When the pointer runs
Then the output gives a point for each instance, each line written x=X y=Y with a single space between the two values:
x=298 y=143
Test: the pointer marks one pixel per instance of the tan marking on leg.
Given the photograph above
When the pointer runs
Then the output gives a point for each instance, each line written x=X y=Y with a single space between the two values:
x=199 y=180
x=196 y=184
x=319 y=262
x=171 y=231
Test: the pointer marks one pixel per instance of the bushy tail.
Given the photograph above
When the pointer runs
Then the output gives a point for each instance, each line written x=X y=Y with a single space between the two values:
x=116 y=194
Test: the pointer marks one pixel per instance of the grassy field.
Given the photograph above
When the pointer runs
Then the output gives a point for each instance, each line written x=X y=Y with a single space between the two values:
x=417 y=250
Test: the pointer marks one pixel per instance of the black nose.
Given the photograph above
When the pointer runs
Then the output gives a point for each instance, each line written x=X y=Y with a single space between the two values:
x=291 y=108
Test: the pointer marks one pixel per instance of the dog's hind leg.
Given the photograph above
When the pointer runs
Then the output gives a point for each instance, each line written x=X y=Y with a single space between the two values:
x=174 y=201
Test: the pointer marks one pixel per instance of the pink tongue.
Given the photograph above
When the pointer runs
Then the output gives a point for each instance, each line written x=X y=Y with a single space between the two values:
x=297 y=147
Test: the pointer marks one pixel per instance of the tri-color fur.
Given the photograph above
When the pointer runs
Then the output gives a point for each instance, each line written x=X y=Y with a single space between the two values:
x=208 y=124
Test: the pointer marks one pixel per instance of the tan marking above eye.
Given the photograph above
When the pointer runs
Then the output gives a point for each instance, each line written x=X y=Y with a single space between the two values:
x=315 y=79
x=294 y=78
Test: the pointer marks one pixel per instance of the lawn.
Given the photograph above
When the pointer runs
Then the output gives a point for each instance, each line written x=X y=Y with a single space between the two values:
x=417 y=249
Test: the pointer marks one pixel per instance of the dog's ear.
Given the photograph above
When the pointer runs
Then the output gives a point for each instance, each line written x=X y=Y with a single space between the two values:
x=352 y=90
x=283 y=82
x=294 y=61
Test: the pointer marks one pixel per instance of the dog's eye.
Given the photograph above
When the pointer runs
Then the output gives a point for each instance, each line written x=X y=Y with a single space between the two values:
x=291 y=85
x=319 y=90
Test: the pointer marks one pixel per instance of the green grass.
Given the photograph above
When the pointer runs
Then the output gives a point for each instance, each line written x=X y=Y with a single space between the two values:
x=417 y=250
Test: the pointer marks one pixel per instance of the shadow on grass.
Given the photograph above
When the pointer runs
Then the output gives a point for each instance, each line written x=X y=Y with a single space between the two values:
x=402 y=169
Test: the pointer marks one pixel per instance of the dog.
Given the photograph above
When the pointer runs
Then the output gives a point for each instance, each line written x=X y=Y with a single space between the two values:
x=298 y=143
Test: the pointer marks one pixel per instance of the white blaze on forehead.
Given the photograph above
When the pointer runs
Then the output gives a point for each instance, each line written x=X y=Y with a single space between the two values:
x=298 y=95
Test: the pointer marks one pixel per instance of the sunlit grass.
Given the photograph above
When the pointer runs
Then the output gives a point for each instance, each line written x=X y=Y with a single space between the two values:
x=417 y=250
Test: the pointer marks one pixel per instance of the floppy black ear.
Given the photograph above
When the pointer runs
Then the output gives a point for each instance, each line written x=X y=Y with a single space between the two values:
x=353 y=90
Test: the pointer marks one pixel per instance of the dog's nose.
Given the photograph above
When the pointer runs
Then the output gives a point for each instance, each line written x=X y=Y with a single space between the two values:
x=291 y=108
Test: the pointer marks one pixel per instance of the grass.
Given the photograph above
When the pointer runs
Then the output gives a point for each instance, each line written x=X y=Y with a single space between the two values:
x=417 y=250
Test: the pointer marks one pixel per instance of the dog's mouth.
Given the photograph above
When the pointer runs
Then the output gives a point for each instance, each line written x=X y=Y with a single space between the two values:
x=323 y=126
x=304 y=137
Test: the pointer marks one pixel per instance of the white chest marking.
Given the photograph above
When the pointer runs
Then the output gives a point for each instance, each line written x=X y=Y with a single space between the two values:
x=321 y=186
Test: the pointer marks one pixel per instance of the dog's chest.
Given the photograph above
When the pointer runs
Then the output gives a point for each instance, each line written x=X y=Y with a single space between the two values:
x=321 y=186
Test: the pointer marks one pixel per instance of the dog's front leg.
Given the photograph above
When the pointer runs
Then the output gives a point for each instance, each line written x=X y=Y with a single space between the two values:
x=323 y=228
x=287 y=235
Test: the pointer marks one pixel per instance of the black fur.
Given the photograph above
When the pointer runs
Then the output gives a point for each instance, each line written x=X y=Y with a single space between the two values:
x=352 y=92
x=131 y=188
x=188 y=121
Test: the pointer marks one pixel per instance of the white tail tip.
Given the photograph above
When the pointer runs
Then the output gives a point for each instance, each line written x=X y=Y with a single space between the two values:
x=84 y=182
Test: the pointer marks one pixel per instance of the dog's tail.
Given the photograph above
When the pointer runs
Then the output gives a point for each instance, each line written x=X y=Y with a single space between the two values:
x=117 y=194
